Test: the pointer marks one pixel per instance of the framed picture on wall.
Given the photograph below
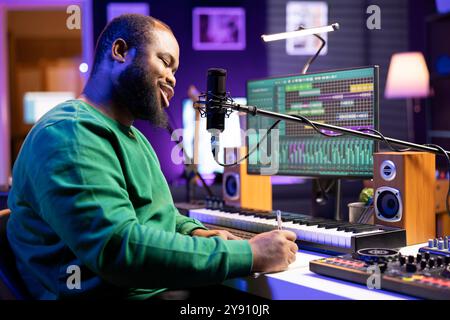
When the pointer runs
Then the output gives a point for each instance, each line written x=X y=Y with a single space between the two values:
x=308 y=14
x=218 y=28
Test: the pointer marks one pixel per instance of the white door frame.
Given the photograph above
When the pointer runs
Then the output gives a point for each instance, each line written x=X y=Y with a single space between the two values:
x=87 y=54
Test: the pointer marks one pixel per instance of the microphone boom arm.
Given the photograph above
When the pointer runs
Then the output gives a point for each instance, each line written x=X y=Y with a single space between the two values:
x=252 y=110
x=228 y=103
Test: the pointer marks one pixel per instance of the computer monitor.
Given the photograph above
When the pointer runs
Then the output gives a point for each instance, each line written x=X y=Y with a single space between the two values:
x=37 y=103
x=230 y=137
x=346 y=98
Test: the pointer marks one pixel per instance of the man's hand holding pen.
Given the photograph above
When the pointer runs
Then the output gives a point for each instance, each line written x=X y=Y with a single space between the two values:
x=273 y=251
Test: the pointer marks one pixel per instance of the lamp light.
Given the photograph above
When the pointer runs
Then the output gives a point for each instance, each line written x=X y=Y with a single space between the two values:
x=299 y=33
x=408 y=78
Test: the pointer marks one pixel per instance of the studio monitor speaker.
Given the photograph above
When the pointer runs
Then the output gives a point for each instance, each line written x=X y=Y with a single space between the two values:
x=404 y=192
x=241 y=189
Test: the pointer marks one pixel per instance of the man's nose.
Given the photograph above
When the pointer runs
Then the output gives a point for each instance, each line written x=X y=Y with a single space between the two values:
x=170 y=79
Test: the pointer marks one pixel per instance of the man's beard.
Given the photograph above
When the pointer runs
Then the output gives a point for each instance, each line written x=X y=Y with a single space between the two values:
x=137 y=91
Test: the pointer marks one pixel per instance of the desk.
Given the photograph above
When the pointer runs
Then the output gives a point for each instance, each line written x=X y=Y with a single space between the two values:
x=298 y=283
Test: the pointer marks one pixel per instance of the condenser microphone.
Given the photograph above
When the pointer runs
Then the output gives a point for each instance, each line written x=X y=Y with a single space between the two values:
x=215 y=113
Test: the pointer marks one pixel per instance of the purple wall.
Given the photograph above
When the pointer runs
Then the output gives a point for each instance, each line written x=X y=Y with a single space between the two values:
x=241 y=65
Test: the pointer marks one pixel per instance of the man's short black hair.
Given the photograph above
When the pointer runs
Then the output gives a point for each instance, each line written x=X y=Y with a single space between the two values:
x=135 y=29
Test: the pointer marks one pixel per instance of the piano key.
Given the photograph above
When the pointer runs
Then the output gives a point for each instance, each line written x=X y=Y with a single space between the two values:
x=287 y=219
x=360 y=228
x=311 y=229
x=329 y=225
x=345 y=226
x=313 y=222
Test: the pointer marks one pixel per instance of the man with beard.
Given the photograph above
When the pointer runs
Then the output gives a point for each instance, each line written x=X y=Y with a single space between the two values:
x=92 y=215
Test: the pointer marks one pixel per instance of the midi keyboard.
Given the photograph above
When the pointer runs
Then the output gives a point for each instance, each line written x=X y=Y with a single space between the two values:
x=313 y=233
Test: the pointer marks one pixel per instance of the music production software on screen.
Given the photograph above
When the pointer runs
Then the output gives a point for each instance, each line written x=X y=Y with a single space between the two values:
x=346 y=98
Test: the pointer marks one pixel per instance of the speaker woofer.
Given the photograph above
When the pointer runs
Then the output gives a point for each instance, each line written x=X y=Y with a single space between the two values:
x=388 y=204
x=231 y=185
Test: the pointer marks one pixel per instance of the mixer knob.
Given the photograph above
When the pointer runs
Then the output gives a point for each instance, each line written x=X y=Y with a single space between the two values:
x=402 y=260
x=410 y=259
x=419 y=257
x=447 y=260
x=431 y=262
x=446 y=272
x=382 y=266
x=439 y=261
x=411 y=267
x=427 y=255
x=423 y=264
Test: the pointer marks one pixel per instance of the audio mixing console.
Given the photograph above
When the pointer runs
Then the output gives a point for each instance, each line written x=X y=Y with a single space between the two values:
x=425 y=275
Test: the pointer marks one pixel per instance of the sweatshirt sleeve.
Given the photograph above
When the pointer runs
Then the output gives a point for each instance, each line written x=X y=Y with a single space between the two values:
x=80 y=192
x=186 y=225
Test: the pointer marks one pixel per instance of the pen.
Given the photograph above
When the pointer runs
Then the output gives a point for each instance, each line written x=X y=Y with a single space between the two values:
x=280 y=226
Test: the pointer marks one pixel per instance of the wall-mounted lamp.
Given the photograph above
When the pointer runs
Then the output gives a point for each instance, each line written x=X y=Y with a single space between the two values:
x=299 y=33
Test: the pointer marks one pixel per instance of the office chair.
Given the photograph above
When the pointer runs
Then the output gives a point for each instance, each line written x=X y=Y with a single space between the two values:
x=11 y=284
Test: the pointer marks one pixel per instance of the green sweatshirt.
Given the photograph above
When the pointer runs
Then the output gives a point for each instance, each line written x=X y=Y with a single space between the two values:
x=88 y=193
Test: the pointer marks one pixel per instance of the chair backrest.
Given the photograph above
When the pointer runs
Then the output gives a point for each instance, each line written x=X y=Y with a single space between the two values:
x=11 y=284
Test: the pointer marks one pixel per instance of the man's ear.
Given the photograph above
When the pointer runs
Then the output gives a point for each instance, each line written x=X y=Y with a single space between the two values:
x=119 y=50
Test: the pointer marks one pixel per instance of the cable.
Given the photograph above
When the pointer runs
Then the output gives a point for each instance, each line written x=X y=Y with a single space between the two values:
x=362 y=130
x=254 y=149
x=308 y=122
x=448 y=173
x=311 y=60
x=228 y=99
x=385 y=140
x=317 y=129
x=324 y=191
x=189 y=159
